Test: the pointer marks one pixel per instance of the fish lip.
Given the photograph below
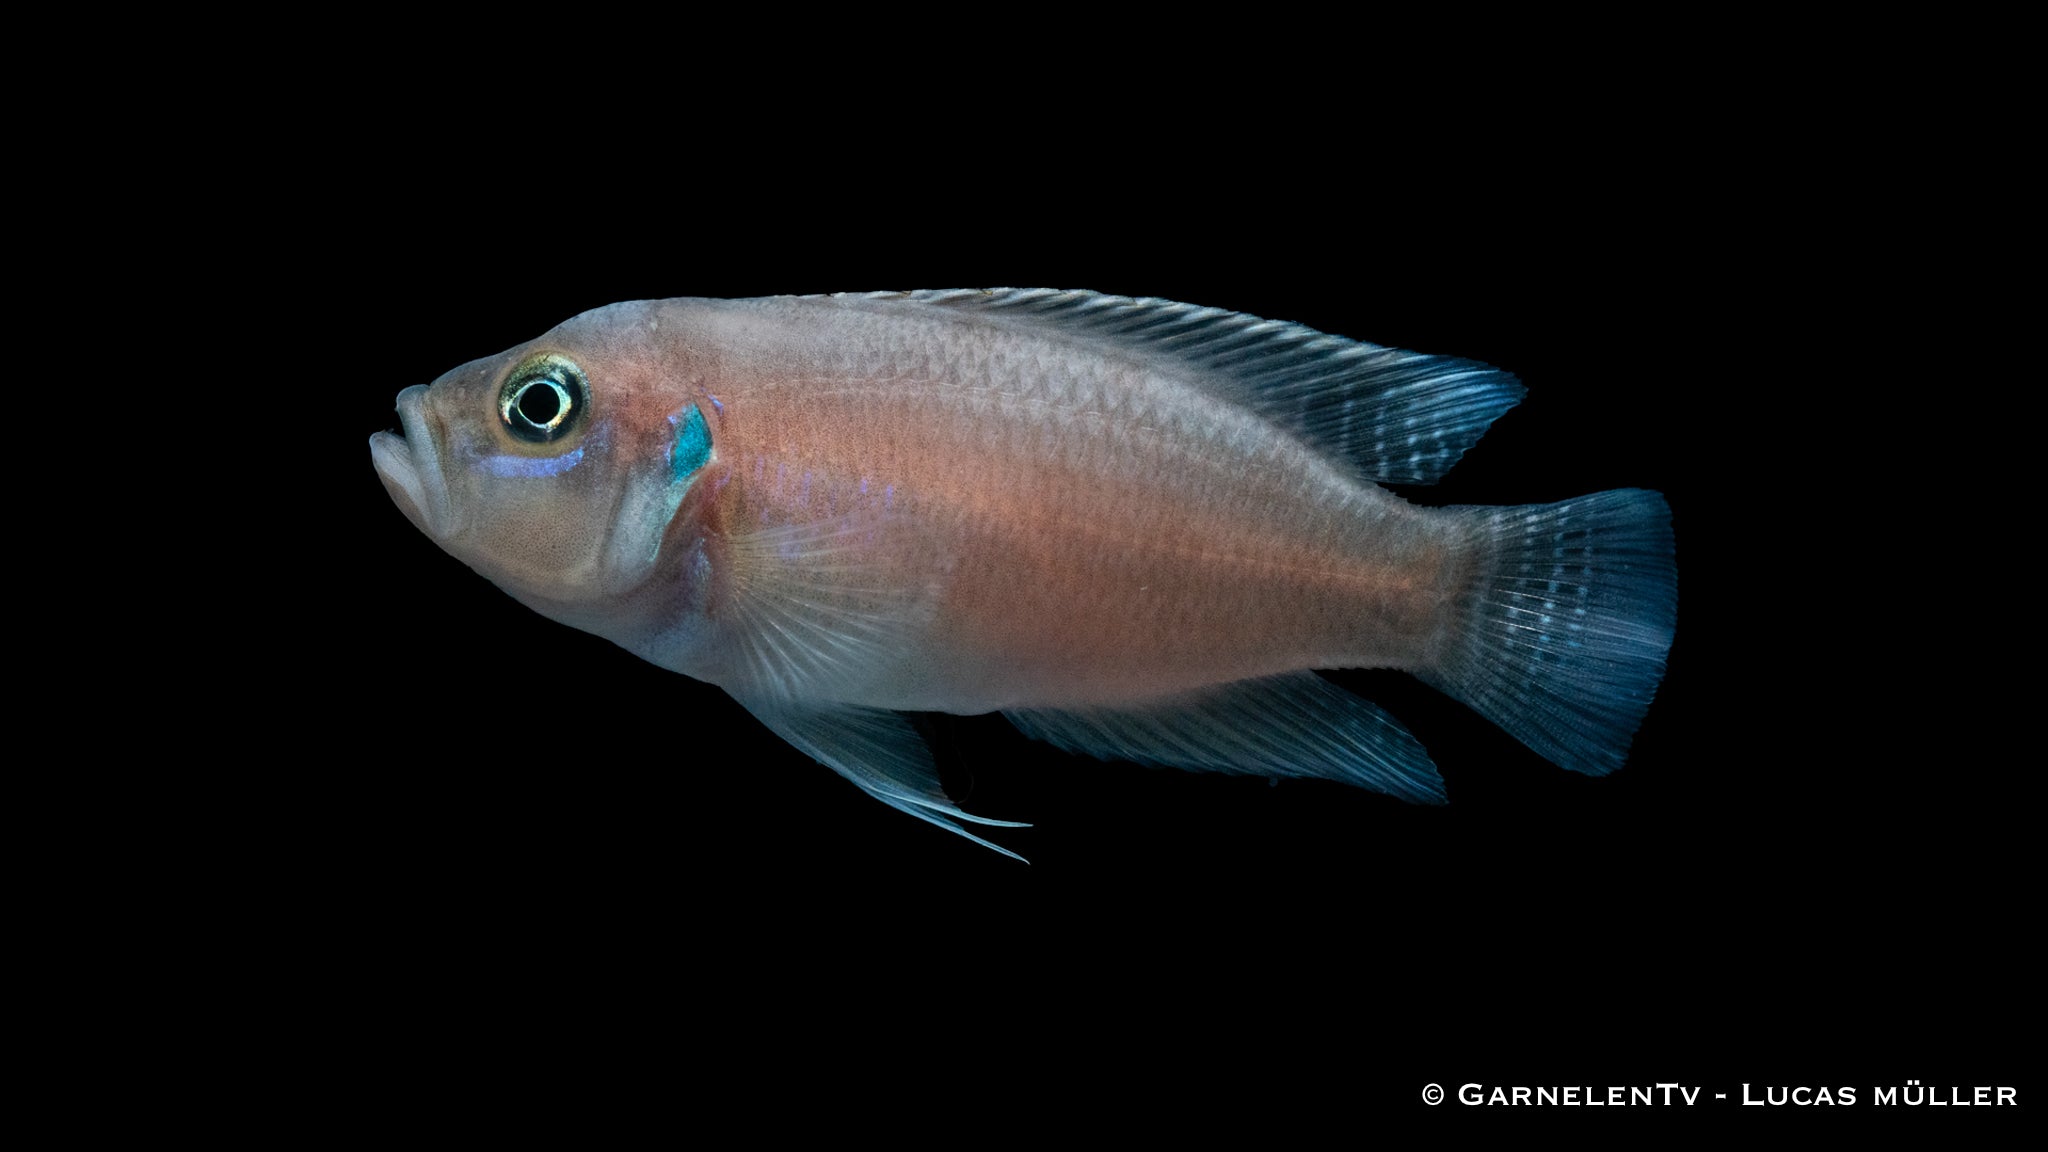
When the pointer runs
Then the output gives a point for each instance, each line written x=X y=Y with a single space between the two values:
x=410 y=466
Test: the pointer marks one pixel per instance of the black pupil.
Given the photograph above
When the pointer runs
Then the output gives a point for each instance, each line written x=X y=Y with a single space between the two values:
x=540 y=402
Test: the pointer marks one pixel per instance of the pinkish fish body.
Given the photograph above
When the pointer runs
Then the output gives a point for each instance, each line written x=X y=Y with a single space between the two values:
x=1132 y=526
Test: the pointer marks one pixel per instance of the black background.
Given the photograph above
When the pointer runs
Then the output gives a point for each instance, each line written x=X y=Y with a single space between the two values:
x=1782 y=882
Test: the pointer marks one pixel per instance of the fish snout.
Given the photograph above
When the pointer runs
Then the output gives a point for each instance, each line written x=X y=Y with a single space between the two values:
x=409 y=462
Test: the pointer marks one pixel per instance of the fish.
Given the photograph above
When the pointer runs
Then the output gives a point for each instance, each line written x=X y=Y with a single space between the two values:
x=1136 y=528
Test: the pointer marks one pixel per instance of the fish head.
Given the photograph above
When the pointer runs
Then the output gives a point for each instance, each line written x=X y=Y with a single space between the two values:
x=555 y=469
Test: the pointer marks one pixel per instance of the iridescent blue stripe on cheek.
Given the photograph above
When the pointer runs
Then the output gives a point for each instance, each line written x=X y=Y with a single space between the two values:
x=692 y=447
x=530 y=467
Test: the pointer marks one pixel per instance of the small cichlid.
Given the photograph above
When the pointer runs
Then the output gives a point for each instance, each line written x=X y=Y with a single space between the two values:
x=1132 y=526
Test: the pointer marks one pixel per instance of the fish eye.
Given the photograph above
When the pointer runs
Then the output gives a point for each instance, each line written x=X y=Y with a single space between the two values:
x=544 y=398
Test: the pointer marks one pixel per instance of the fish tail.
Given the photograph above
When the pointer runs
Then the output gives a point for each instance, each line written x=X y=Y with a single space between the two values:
x=1567 y=615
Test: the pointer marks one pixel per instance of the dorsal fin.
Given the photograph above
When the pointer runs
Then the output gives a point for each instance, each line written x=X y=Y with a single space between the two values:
x=1399 y=417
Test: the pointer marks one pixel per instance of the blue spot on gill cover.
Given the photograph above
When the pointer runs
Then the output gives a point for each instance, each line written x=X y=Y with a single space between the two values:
x=692 y=445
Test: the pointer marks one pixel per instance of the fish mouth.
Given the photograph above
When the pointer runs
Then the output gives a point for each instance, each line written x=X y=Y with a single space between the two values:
x=409 y=463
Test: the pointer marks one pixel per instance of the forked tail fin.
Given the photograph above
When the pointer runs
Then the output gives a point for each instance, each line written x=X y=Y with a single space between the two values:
x=1568 y=614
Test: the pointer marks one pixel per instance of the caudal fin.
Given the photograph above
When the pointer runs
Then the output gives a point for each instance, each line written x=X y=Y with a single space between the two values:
x=1568 y=615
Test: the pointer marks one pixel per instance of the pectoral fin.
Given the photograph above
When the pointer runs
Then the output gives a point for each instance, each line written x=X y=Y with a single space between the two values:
x=879 y=751
x=818 y=610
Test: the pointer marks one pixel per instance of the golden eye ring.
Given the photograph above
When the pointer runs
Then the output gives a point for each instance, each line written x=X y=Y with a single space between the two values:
x=544 y=398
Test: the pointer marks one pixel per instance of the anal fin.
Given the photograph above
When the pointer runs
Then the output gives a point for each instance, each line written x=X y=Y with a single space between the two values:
x=1297 y=724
